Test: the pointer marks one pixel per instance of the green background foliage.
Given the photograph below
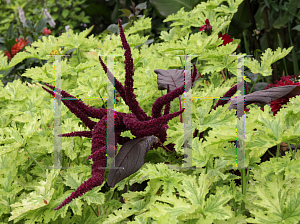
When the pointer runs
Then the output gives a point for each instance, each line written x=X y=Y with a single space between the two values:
x=30 y=192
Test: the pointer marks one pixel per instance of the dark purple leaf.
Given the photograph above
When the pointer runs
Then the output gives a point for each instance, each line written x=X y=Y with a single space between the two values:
x=265 y=96
x=173 y=77
x=229 y=93
x=132 y=157
x=293 y=147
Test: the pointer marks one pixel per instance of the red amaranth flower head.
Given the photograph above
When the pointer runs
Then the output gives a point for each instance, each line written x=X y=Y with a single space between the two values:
x=207 y=28
x=285 y=80
x=226 y=38
x=46 y=31
x=137 y=122
x=21 y=43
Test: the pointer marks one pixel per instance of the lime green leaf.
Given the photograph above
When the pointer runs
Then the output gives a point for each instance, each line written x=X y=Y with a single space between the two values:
x=73 y=180
x=141 y=24
x=3 y=62
x=24 y=118
x=280 y=201
x=94 y=196
x=85 y=65
x=174 y=34
x=19 y=57
x=239 y=219
x=34 y=200
x=267 y=59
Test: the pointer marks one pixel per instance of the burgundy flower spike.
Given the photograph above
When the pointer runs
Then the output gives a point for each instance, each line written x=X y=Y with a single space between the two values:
x=140 y=125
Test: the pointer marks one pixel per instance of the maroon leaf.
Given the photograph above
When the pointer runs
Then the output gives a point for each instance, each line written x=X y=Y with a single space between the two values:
x=293 y=147
x=173 y=77
x=265 y=96
x=132 y=157
x=230 y=93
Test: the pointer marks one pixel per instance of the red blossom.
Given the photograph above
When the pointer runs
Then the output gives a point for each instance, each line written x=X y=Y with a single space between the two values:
x=46 y=31
x=207 y=28
x=285 y=80
x=16 y=48
x=226 y=38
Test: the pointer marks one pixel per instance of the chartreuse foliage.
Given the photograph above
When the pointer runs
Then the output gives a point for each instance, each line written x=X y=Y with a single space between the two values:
x=267 y=59
x=29 y=192
x=273 y=197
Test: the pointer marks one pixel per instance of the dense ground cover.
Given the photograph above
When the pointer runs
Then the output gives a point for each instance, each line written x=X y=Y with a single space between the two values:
x=158 y=189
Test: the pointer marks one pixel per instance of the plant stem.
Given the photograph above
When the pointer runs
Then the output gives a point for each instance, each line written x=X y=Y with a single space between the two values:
x=253 y=26
x=246 y=44
x=244 y=185
x=281 y=46
x=102 y=100
x=278 y=148
x=163 y=146
x=270 y=153
x=293 y=152
x=179 y=98
x=78 y=57
x=255 y=83
x=295 y=64
x=31 y=156
x=235 y=207
x=267 y=30
x=41 y=62
x=223 y=75
x=93 y=210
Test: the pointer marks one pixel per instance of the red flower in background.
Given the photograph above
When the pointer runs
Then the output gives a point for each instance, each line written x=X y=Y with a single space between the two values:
x=16 y=48
x=285 y=80
x=276 y=105
x=207 y=28
x=46 y=32
x=226 y=38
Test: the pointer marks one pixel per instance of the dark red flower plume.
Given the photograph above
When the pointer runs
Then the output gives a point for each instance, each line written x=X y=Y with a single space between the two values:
x=138 y=123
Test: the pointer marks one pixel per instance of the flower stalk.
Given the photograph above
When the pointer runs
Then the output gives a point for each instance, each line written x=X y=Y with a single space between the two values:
x=137 y=122
x=22 y=16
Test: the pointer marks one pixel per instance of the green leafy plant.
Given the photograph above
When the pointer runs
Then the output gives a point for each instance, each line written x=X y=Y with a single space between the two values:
x=156 y=192
x=62 y=10
x=269 y=24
